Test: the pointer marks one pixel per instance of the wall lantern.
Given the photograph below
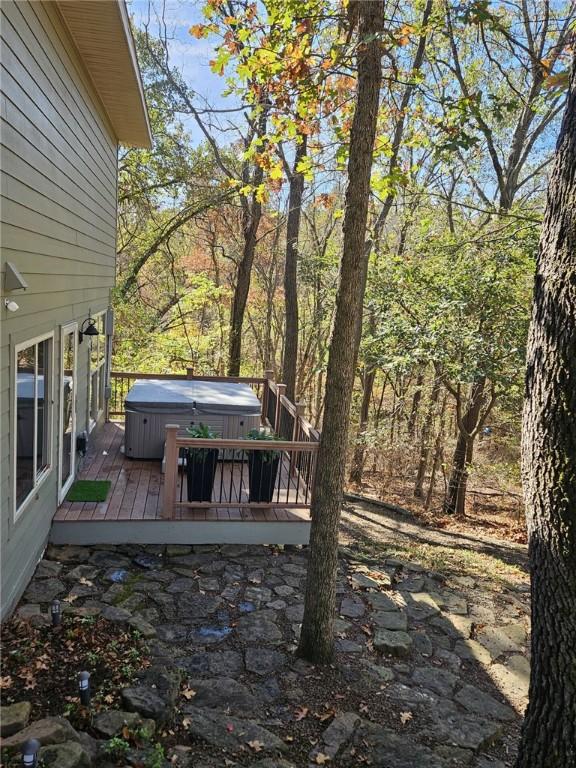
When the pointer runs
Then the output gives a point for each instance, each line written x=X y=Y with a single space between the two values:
x=84 y=688
x=30 y=753
x=88 y=328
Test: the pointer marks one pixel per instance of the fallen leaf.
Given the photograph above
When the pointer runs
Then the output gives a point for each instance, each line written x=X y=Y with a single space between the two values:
x=186 y=722
x=300 y=713
x=321 y=759
x=256 y=745
x=188 y=693
x=405 y=717
x=229 y=727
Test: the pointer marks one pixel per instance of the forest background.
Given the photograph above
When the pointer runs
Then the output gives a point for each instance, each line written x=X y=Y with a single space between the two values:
x=230 y=226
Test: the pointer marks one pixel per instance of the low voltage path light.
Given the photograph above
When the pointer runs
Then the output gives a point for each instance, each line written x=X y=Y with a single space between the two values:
x=84 y=688
x=30 y=753
x=56 y=611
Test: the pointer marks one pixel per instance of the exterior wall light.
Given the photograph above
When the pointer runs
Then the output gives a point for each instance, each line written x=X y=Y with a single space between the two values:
x=84 y=688
x=11 y=305
x=30 y=753
x=88 y=328
x=56 y=611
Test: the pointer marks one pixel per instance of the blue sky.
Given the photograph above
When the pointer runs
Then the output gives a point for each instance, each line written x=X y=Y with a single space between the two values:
x=189 y=55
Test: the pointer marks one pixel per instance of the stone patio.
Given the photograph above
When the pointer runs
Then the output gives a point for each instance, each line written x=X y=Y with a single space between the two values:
x=429 y=671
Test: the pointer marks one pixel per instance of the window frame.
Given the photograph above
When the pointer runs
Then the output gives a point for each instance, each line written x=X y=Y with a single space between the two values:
x=38 y=479
x=101 y=367
x=66 y=330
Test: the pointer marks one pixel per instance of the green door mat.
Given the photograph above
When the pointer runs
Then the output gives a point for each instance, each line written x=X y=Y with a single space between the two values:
x=89 y=490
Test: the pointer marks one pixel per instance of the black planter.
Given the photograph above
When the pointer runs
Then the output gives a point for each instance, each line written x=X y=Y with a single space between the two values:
x=201 y=471
x=261 y=476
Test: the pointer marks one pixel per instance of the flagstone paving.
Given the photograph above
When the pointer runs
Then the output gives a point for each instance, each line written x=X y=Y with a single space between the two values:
x=429 y=671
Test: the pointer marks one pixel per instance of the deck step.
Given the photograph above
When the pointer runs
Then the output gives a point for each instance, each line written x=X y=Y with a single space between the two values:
x=88 y=532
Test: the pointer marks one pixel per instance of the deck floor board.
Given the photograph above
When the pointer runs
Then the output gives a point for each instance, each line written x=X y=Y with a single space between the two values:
x=136 y=491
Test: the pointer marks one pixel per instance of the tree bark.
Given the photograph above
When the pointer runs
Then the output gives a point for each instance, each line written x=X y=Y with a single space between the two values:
x=251 y=215
x=549 y=469
x=455 y=502
x=379 y=224
x=290 y=362
x=317 y=635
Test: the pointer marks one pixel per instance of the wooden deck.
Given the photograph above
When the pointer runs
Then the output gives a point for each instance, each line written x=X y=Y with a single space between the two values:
x=133 y=509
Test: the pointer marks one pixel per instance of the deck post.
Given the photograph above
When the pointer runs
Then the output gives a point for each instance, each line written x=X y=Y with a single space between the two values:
x=171 y=474
x=269 y=376
x=189 y=373
x=298 y=415
x=280 y=390
x=300 y=407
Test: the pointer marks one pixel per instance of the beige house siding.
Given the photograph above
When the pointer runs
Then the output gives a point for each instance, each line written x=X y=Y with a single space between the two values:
x=58 y=227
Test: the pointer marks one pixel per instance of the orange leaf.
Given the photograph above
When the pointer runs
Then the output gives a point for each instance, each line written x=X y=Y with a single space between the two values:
x=198 y=31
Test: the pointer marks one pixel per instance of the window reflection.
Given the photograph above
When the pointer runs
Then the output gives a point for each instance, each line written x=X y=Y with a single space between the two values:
x=26 y=364
x=33 y=410
x=67 y=404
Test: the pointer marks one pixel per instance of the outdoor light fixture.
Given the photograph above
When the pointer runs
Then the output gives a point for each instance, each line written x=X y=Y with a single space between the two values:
x=11 y=306
x=88 y=328
x=56 y=612
x=30 y=753
x=84 y=688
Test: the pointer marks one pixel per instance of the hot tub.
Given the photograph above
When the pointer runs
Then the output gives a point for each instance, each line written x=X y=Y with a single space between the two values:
x=231 y=409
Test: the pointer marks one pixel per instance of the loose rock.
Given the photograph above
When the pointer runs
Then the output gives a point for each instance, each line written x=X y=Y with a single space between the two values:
x=231 y=733
x=395 y=643
x=14 y=718
x=69 y=754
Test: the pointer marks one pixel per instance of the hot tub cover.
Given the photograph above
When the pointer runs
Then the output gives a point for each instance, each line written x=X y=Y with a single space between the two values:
x=182 y=396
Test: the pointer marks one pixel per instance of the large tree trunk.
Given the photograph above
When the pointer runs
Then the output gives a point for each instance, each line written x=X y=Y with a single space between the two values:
x=251 y=216
x=290 y=363
x=455 y=502
x=379 y=224
x=549 y=470
x=317 y=636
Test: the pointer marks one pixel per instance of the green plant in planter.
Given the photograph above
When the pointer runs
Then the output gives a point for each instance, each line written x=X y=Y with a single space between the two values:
x=262 y=434
x=202 y=432
x=262 y=468
x=201 y=464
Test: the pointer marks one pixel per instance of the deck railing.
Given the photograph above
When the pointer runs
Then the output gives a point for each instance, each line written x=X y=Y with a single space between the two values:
x=237 y=482
x=283 y=417
x=294 y=443
x=120 y=384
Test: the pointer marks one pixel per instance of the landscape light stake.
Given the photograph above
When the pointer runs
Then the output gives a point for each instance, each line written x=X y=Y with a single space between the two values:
x=84 y=688
x=56 y=612
x=30 y=753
